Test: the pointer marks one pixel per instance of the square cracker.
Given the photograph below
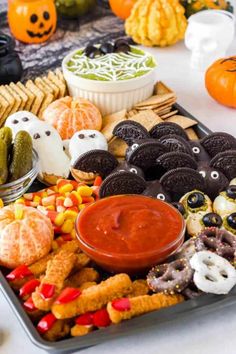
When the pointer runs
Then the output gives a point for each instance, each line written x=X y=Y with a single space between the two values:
x=17 y=99
x=39 y=96
x=48 y=95
x=29 y=95
x=117 y=147
x=59 y=74
x=55 y=90
x=10 y=99
x=169 y=114
x=155 y=101
x=5 y=108
x=19 y=92
x=191 y=134
x=161 y=89
x=147 y=119
x=60 y=84
x=114 y=117
x=184 y=122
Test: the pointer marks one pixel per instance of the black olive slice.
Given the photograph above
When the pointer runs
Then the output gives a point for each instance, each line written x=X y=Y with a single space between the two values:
x=196 y=200
x=212 y=220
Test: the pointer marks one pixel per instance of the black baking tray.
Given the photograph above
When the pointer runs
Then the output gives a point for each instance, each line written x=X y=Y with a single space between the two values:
x=204 y=303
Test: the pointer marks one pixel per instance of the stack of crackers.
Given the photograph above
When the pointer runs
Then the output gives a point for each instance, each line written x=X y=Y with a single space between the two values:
x=33 y=96
x=156 y=109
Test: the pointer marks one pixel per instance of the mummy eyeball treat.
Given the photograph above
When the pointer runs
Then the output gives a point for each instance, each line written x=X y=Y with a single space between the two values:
x=225 y=202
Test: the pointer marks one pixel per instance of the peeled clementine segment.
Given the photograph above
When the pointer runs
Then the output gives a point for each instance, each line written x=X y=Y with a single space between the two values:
x=69 y=115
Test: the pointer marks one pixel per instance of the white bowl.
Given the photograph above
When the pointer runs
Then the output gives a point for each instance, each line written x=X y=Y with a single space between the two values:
x=110 y=96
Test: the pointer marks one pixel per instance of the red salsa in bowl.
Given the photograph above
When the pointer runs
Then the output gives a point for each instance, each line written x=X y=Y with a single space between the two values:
x=129 y=233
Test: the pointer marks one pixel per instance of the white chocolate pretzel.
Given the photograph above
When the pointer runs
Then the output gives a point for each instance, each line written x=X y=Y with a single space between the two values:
x=213 y=274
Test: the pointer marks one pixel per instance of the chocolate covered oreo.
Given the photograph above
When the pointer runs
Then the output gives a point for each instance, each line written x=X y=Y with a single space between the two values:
x=96 y=161
x=167 y=128
x=218 y=142
x=145 y=154
x=172 y=160
x=129 y=130
x=182 y=180
x=176 y=143
x=122 y=183
x=226 y=163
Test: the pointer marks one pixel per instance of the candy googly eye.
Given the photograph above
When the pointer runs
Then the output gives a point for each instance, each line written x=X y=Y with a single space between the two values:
x=25 y=119
x=196 y=150
x=92 y=136
x=81 y=136
x=36 y=136
x=133 y=170
x=15 y=121
x=48 y=133
x=134 y=146
x=203 y=173
x=214 y=175
x=161 y=196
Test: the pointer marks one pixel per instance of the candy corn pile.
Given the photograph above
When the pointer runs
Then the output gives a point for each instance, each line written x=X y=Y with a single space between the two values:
x=62 y=203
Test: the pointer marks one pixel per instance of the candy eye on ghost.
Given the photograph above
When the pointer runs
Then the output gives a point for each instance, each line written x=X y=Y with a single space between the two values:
x=36 y=136
x=25 y=119
x=48 y=133
x=81 y=136
x=15 y=121
x=92 y=136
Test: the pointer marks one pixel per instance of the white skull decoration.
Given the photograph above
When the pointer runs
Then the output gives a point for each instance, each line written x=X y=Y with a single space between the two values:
x=208 y=36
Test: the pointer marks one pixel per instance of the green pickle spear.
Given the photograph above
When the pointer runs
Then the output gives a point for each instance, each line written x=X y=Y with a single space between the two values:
x=22 y=154
x=6 y=135
x=3 y=162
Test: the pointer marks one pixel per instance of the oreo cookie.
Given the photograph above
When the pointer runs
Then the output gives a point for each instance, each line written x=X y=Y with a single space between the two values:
x=218 y=142
x=199 y=152
x=215 y=180
x=172 y=160
x=176 y=143
x=122 y=183
x=127 y=167
x=130 y=130
x=182 y=180
x=96 y=161
x=155 y=190
x=226 y=163
x=167 y=128
x=145 y=155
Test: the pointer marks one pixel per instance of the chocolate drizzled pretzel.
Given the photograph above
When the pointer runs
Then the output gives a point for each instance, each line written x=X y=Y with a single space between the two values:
x=170 y=278
x=218 y=241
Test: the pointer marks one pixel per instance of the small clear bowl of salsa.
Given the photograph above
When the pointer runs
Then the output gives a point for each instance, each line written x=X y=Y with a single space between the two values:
x=129 y=233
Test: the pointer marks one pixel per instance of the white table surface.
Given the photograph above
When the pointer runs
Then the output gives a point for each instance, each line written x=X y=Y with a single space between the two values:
x=211 y=333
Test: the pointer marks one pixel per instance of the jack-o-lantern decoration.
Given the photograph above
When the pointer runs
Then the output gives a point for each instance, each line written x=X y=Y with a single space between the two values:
x=32 y=21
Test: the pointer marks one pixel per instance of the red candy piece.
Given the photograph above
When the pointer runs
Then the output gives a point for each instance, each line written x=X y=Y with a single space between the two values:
x=68 y=295
x=66 y=237
x=121 y=304
x=97 y=181
x=29 y=305
x=85 y=320
x=47 y=291
x=101 y=318
x=29 y=287
x=46 y=323
x=19 y=273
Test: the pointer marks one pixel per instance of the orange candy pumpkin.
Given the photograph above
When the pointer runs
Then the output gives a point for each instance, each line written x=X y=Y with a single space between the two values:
x=32 y=21
x=122 y=8
x=26 y=235
x=220 y=81
x=69 y=115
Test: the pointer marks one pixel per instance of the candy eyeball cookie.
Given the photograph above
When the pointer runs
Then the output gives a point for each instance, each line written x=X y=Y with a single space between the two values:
x=196 y=201
x=20 y=121
x=225 y=203
x=53 y=161
x=84 y=141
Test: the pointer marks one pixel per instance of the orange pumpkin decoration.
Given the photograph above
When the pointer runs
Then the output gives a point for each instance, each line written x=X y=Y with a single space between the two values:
x=122 y=8
x=32 y=21
x=69 y=115
x=26 y=235
x=220 y=81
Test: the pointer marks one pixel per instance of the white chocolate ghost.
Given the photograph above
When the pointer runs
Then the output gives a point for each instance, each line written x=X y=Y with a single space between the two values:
x=20 y=121
x=84 y=141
